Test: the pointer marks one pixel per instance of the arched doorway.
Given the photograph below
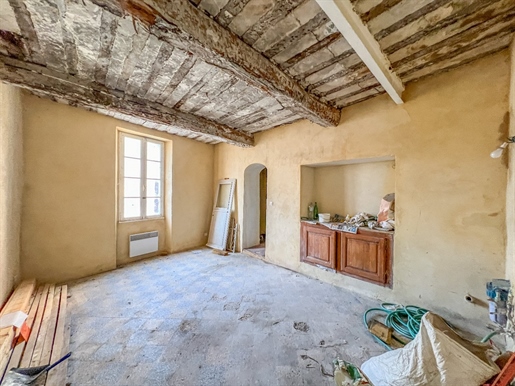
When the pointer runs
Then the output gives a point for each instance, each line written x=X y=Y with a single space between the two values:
x=254 y=210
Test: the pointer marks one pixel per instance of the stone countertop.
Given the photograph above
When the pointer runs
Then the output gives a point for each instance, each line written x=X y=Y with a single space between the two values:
x=328 y=225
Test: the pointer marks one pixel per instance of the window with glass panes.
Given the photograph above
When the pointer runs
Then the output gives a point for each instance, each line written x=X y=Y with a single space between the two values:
x=141 y=177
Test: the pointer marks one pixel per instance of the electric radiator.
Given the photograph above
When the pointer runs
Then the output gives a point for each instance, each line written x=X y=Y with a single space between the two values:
x=143 y=243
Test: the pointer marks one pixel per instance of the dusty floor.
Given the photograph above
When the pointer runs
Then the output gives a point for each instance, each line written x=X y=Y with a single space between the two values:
x=196 y=318
x=256 y=251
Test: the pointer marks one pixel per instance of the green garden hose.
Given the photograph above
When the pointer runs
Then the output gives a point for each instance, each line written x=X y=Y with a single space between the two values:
x=403 y=320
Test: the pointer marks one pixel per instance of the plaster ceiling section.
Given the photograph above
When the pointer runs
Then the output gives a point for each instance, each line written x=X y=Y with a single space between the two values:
x=299 y=37
x=426 y=37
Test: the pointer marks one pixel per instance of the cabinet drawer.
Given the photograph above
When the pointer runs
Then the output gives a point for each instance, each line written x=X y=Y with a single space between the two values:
x=363 y=256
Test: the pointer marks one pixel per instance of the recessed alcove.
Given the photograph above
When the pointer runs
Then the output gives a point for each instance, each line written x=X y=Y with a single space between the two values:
x=347 y=186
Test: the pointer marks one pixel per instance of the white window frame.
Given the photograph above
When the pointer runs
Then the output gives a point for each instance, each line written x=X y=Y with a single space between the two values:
x=143 y=177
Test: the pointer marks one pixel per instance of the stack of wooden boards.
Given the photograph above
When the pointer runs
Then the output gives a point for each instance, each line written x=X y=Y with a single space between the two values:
x=50 y=330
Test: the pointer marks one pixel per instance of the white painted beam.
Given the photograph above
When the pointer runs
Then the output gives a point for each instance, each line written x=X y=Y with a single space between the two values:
x=356 y=33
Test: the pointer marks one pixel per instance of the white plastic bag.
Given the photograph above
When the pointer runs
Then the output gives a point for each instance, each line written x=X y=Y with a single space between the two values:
x=436 y=357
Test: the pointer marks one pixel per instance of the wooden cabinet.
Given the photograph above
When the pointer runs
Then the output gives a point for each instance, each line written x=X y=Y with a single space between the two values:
x=318 y=245
x=366 y=255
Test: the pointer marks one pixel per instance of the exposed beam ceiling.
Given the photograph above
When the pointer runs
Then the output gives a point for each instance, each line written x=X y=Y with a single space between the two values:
x=186 y=27
x=349 y=23
x=217 y=70
x=96 y=97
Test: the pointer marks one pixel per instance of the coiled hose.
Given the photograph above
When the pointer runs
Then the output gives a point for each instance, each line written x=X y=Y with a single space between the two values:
x=403 y=320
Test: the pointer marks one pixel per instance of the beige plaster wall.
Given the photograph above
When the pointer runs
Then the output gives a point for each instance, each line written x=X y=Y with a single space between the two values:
x=11 y=185
x=353 y=188
x=450 y=236
x=69 y=220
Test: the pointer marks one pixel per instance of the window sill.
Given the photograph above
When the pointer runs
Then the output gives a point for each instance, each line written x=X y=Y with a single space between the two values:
x=140 y=220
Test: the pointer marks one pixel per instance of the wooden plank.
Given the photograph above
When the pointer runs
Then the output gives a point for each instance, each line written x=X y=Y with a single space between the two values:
x=39 y=354
x=487 y=48
x=70 y=48
x=308 y=65
x=31 y=343
x=165 y=53
x=311 y=50
x=194 y=76
x=295 y=50
x=218 y=108
x=219 y=84
x=248 y=107
x=86 y=95
x=319 y=20
x=20 y=298
x=213 y=7
x=20 y=348
x=203 y=84
x=84 y=23
x=291 y=23
x=144 y=65
x=360 y=38
x=108 y=27
x=250 y=15
x=184 y=26
x=437 y=19
x=350 y=79
x=267 y=124
x=491 y=30
x=352 y=90
x=360 y=97
x=333 y=59
x=50 y=336
x=402 y=13
x=120 y=49
x=279 y=116
x=359 y=91
x=378 y=9
x=164 y=75
x=18 y=301
x=436 y=36
x=25 y=23
x=233 y=108
x=57 y=376
x=139 y=40
x=277 y=13
x=47 y=332
x=334 y=72
x=264 y=107
x=364 y=6
x=229 y=11
x=177 y=78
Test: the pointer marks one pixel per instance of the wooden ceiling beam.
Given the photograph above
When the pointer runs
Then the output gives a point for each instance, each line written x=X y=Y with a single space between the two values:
x=184 y=26
x=94 y=96
x=349 y=23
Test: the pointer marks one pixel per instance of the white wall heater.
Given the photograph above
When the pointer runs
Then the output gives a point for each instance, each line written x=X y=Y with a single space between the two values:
x=143 y=243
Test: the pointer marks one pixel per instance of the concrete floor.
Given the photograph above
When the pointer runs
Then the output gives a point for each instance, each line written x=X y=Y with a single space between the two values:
x=256 y=251
x=196 y=318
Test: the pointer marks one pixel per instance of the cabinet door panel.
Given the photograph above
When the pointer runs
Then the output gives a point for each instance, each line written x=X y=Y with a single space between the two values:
x=363 y=256
x=319 y=246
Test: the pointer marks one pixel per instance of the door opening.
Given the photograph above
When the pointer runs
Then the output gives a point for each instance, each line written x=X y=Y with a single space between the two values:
x=254 y=210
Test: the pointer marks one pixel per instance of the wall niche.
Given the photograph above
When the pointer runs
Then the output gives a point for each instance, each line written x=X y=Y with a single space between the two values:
x=347 y=187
